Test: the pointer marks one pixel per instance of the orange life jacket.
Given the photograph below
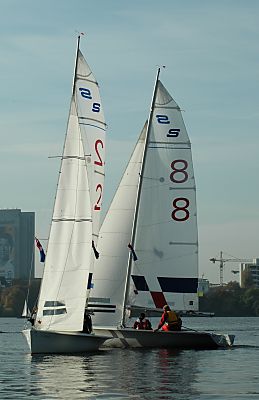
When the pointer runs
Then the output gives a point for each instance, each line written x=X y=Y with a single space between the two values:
x=172 y=318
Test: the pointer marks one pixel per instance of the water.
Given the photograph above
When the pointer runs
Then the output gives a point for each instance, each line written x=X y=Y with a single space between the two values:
x=135 y=374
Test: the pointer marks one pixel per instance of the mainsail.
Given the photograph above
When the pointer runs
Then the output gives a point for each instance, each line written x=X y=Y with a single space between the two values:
x=166 y=239
x=75 y=224
x=154 y=210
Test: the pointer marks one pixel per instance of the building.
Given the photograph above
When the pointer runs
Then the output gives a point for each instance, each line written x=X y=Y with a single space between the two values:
x=253 y=268
x=203 y=286
x=17 y=230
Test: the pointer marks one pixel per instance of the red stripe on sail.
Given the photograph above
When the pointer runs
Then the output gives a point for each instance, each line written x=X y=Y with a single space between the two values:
x=159 y=299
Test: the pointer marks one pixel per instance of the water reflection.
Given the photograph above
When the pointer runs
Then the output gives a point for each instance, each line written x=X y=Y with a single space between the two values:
x=134 y=374
x=159 y=374
x=115 y=374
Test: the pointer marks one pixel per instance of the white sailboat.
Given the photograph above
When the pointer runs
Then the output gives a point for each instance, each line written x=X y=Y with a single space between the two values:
x=74 y=231
x=153 y=210
x=26 y=311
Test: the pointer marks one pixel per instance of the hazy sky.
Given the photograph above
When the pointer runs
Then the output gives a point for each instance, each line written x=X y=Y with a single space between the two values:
x=210 y=49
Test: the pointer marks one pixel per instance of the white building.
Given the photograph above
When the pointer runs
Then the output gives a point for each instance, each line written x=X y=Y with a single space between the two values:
x=253 y=268
x=17 y=230
x=203 y=286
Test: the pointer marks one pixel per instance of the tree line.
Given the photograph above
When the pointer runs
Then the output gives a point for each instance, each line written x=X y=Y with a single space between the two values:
x=231 y=301
x=12 y=298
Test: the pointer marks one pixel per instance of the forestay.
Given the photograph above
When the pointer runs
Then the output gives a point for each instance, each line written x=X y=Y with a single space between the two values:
x=75 y=224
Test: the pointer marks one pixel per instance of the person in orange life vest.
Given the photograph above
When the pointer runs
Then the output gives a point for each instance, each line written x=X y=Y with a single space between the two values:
x=169 y=320
x=142 y=323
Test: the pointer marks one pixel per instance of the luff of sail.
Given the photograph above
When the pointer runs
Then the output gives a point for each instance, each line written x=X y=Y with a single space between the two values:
x=166 y=238
x=107 y=295
x=75 y=222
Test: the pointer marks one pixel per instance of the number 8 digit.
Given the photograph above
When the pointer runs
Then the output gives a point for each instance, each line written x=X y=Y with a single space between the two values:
x=183 y=209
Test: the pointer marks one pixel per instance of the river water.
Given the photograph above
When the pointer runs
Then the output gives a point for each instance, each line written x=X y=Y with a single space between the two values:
x=135 y=374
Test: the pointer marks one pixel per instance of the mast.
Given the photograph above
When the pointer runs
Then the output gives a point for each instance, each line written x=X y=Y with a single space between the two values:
x=76 y=62
x=134 y=227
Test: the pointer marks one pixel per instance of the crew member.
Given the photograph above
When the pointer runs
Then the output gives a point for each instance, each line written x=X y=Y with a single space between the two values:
x=87 y=327
x=169 y=321
x=142 y=323
x=32 y=317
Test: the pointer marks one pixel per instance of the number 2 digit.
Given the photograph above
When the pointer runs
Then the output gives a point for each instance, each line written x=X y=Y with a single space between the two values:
x=99 y=189
x=99 y=161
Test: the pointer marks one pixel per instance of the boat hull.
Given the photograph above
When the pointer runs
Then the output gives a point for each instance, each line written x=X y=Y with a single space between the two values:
x=184 y=339
x=48 y=342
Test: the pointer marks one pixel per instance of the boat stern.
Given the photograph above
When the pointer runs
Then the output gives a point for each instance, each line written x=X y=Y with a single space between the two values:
x=223 y=340
x=53 y=342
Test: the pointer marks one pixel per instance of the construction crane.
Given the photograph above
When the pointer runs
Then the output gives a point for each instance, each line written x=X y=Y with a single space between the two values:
x=222 y=261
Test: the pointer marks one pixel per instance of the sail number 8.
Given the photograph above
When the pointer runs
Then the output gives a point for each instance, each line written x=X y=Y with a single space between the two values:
x=179 y=174
x=180 y=212
x=180 y=204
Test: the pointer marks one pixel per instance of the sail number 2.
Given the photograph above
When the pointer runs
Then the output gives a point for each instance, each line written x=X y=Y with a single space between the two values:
x=99 y=189
x=98 y=145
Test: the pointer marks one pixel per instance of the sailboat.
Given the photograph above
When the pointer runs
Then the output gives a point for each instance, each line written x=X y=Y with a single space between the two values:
x=26 y=311
x=72 y=245
x=149 y=238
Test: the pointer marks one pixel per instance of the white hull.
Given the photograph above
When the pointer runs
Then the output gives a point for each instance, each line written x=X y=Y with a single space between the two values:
x=47 y=342
x=184 y=339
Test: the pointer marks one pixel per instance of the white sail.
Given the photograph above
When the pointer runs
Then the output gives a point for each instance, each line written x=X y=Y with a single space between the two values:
x=157 y=214
x=69 y=260
x=166 y=240
x=107 y=295
x=26 y=311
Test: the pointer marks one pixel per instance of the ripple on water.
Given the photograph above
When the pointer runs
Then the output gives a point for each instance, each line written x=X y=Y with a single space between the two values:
x=134 y=374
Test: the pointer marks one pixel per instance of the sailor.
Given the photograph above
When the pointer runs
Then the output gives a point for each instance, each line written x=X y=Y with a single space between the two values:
x=87 y=327
x=142 y=323
x=169 y=321
x=32 y=317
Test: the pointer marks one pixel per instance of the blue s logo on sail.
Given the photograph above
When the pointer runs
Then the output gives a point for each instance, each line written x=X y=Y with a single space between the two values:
x=86 y=94
x=96 y=107
x=163 y=119
x=173 y=132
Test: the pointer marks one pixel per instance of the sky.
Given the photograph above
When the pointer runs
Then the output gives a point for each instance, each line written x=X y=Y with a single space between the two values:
x=210 y=50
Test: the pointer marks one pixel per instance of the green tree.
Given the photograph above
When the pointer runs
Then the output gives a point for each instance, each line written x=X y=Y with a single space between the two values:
x=251 y=299
x=246 y=278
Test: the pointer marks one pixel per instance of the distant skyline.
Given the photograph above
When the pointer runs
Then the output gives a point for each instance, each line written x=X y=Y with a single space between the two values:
x=210 y=50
